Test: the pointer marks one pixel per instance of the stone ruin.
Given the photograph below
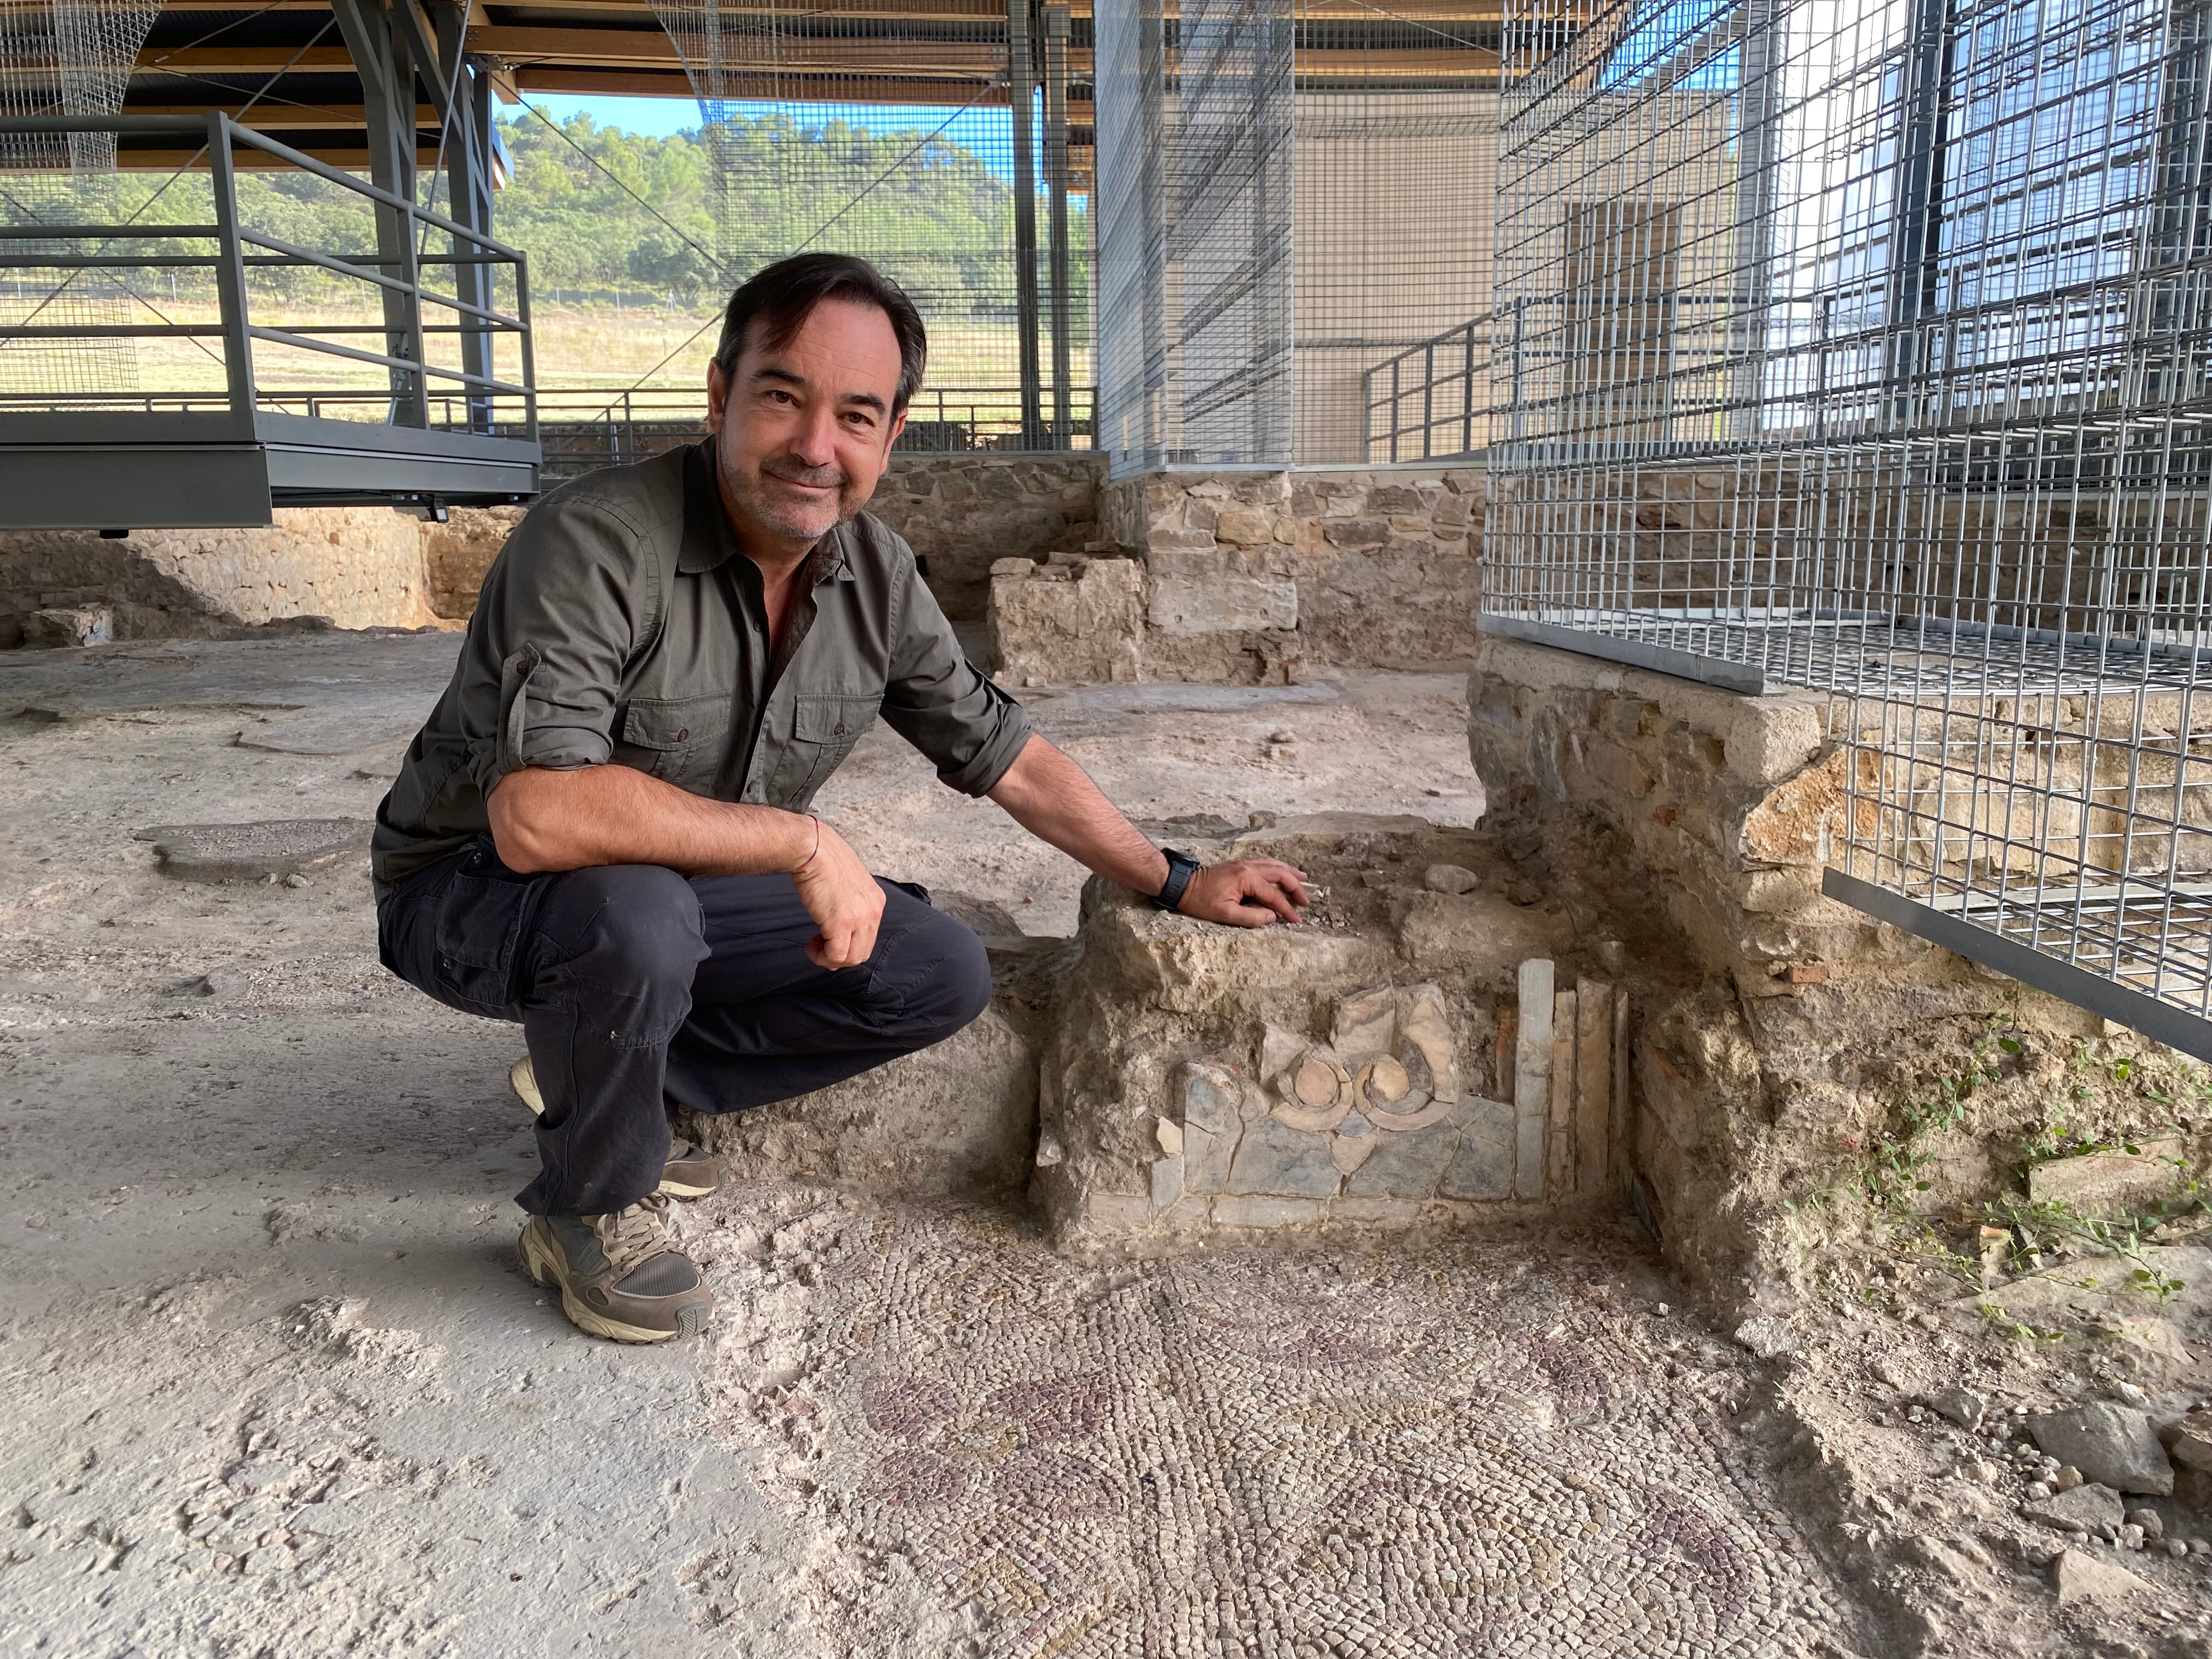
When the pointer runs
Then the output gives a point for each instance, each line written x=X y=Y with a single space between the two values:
x=1623 y=993
x=1374 y=1066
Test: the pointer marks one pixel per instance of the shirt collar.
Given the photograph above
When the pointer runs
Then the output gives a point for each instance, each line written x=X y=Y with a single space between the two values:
x=708 y=540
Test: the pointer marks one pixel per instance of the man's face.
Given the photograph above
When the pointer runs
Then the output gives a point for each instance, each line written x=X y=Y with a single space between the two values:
x=803 y=433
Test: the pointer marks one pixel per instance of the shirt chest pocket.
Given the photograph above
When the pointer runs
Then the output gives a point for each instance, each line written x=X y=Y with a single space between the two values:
x=824 y=727
x=680 y=740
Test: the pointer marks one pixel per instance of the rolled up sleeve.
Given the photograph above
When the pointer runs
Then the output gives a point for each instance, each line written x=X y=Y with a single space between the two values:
x=967 y=727
x=561 y=612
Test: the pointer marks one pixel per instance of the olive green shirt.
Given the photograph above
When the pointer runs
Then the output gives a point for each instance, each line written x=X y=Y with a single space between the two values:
x=619 y=624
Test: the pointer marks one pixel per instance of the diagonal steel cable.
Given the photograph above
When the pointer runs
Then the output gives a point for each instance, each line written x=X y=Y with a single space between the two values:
x=860 y=196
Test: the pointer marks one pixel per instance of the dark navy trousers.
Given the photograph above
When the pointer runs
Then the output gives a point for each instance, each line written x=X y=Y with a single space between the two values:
x=638 y=990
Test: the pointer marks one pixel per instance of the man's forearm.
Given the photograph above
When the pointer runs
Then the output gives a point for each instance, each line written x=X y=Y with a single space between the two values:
x=543 y=819
x=1054 y=799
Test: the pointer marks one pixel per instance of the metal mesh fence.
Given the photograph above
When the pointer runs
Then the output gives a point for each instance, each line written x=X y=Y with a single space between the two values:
x=824 y=133
x=66 y=57
x=1864 y=348
x=1194 y=151
x=1396 y=129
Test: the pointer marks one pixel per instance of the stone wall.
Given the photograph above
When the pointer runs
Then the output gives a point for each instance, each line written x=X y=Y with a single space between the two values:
x=459 y=552
x=1258 y=577
x=962 y=512
x=1794 y=1068
x=1388 y=564
x=361 y=567
x=1728 y=799
x=1237 y=577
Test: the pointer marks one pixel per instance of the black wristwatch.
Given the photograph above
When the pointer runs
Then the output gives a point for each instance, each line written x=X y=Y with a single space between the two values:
x=1181 y=868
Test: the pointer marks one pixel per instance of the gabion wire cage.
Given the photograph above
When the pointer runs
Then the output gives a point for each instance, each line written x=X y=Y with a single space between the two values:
x=1864 y=348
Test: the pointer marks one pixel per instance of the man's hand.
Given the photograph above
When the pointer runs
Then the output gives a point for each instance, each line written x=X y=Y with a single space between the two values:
x=1249 y=893
x=844 y=901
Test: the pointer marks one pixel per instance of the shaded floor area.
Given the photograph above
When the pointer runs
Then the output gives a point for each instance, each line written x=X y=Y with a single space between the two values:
x=278 y=1388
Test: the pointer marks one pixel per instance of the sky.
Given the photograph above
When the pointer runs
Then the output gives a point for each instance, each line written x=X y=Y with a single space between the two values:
x=983 y=130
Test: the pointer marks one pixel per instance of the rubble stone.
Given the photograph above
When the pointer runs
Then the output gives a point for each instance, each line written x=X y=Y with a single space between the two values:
x=1962 y=1405
x=2085 y=1509
x=2109 y=1183
x=1767 y=1337
x=2108 y=1443
x=2190 y=1441
x=2080 y=1579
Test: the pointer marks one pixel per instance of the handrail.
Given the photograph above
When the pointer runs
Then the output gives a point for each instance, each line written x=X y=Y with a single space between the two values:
x=338 y=175
x=395 y=271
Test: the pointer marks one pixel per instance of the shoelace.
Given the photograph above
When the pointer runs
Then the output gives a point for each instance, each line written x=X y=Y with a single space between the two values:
x=638 y=1233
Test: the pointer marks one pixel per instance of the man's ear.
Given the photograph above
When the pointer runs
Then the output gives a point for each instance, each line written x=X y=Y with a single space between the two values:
x=898 y=425
x=718 y=396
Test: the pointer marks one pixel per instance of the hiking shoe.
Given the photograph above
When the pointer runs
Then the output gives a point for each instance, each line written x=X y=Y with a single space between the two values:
x=621 y=1275
x=690 y=1171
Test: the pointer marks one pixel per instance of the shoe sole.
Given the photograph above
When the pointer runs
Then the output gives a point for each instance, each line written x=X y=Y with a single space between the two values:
x=523 y=1079
x=541 y=1270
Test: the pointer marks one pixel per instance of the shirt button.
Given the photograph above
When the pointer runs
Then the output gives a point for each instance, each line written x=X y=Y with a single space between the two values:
x=840 y=731
x=685 y=735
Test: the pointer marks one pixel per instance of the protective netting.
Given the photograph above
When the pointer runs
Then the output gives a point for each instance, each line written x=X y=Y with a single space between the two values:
x=1869 y=347
x=1194 y=258
x=832 y=128
x=64 y=57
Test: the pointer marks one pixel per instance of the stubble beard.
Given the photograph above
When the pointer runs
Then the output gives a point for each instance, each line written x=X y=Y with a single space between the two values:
x=798 y=520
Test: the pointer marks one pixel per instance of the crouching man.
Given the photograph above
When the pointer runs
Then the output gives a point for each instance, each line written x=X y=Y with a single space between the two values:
x=602 y=832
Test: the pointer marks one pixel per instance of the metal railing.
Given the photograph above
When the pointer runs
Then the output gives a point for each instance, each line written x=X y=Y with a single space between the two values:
x=1432 y=401
x=239 y=258
x=582 y=429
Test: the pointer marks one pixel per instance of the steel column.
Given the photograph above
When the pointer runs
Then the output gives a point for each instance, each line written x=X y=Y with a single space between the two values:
x=387 y=89
x=1055 y=167
x=1021 y=87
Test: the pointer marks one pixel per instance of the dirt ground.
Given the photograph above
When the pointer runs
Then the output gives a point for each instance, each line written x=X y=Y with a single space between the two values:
x=275 y=1386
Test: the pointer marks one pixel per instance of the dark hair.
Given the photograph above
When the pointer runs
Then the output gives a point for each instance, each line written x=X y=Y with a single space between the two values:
x=782 y=297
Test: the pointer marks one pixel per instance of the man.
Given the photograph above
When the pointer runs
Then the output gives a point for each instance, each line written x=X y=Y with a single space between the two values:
x=602 y=833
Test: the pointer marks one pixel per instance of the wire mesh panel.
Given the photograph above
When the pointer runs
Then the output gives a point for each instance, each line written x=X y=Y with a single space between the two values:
x=1195 y=232
x=824 y=136
x=66 y=57
x=1396 y=126
x=1864 y=348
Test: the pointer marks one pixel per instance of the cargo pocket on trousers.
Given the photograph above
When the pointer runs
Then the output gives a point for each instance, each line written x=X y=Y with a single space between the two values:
x=482 y=919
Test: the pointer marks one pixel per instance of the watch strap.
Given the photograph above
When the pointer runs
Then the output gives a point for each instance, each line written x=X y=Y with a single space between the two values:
x=1181 y=868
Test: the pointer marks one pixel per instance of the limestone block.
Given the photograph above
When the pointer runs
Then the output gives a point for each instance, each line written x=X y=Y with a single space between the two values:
x=1222 y=603
x=2109 y=1443
x=957 y=1117
x=1077 y=619
x=62 y=626
x=1245 y=526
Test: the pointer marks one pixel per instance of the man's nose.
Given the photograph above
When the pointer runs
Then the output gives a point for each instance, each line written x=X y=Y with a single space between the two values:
x=815 y=442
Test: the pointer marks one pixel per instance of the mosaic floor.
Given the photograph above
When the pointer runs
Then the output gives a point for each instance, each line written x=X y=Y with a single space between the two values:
x=1469 y=1449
